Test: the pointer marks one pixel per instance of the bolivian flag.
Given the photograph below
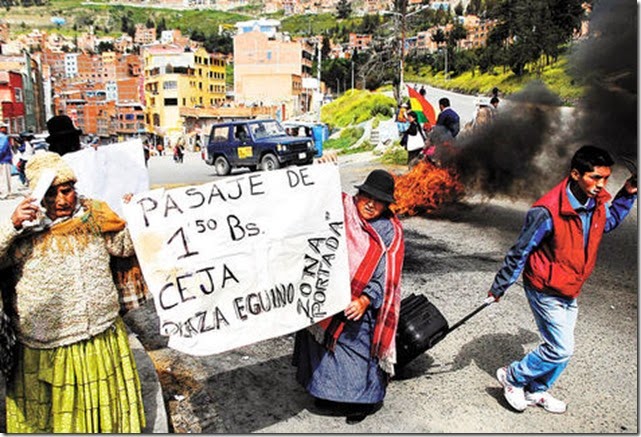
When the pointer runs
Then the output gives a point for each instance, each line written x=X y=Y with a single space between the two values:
x=422 y=107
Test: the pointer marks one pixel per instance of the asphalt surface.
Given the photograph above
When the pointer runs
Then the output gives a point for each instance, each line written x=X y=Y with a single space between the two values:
x=451 y=258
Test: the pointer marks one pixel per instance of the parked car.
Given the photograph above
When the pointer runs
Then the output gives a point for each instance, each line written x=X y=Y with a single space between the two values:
x=255 y=144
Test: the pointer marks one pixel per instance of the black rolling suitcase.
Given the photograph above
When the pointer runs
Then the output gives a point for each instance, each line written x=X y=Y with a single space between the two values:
x=420 y=326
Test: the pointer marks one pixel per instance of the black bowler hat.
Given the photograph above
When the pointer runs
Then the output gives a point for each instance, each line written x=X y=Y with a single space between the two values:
x=380 y=185
x=61 y=126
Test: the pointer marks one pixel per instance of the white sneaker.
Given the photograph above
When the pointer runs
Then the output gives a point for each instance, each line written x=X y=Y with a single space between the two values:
x=515 y=396
x=547 y=401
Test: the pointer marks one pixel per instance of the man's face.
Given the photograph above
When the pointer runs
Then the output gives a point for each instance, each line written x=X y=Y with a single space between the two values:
x=60 y=200
x=368 y=207
x=592 y=182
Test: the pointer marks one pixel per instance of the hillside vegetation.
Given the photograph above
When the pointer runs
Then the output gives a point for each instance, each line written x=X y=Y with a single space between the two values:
x=554 y=76
x=356 y=106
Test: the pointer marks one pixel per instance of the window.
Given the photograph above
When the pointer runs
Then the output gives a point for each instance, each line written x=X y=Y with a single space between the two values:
x=18 y=94
x=171 y=102
x=170 y=85
x=269 y=55
x=220 y=134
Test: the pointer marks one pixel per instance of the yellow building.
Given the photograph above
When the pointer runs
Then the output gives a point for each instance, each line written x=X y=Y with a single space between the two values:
x=177 y=78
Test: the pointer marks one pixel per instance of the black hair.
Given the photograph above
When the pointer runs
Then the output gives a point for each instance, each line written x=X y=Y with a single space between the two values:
x=588 y=157
x=444 y=101
x=494 y=100
x=413 y=114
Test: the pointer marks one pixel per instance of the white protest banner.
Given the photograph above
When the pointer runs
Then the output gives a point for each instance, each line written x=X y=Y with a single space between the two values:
x=109 y=172
x=244 y=258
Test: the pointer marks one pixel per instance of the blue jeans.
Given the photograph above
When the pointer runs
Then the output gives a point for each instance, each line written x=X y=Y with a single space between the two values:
x=555 y=317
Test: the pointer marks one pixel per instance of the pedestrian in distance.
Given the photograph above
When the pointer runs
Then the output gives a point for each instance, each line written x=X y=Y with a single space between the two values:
x=6 y=161
x=346 y=361
x=413 y=139
x=178 y=152
x=72 y=271
x=448 y=118
x=402 y=123
x=494 y=101
x=26 y=152
x=557 y=251
x=63 y=137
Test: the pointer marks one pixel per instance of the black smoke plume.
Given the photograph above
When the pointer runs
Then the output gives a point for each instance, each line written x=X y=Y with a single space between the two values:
x=527 y=148
x=514 y=152
x=607 y=61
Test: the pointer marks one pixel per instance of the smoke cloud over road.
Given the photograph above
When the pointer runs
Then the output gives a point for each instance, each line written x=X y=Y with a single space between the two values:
x=607 y=61
x=527 y=148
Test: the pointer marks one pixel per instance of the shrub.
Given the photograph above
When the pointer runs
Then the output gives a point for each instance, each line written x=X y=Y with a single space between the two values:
x=354 y=107
x=394 y=155
x=382 y=109
x=347 y=138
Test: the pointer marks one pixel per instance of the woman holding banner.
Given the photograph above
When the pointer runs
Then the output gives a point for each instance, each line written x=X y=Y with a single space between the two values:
x=73 y=370
x=346 y=361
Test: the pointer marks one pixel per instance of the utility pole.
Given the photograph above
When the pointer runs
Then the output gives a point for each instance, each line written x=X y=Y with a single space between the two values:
x=352 y=73
x=318 y=73
x=403 y=20
x=446 y=50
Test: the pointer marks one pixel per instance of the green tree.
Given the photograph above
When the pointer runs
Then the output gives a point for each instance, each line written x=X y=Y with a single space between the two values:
x=457 y=33
x=458 y=9
x=474 y=7
x=161 y=26
x=438 y=37
x=343 y=9
x=325 y=47
x=104 y=46
x=530 y=29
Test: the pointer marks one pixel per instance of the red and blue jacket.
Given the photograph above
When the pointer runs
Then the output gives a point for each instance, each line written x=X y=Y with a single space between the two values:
x=558 y=245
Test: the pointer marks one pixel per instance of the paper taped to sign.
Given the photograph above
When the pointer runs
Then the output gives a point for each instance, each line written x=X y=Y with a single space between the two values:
x=244 y=258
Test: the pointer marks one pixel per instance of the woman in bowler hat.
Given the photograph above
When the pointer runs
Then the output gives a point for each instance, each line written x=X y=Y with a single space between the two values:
x=63 y=137
x=346 y=361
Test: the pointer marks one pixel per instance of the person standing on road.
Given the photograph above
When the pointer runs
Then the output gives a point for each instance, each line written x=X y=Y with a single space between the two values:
x=6 y=157
x=413 y=139
x=448 y=118
x=557 y=251
x=346 y=361
x=401 y=118
x=74 y=371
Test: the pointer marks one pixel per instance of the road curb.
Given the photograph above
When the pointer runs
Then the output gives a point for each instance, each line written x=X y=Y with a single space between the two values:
x=153 y=401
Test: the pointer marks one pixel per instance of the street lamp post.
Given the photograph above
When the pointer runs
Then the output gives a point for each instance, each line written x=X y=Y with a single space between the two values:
x=352 y=73
x=403 y=17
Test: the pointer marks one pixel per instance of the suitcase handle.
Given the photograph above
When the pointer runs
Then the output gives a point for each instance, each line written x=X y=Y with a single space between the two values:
x=486 y=303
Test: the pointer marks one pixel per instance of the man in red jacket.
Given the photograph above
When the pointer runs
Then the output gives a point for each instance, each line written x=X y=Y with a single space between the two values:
x=556 y=251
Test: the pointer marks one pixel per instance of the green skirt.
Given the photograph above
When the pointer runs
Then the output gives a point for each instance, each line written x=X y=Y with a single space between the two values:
x=87 y=387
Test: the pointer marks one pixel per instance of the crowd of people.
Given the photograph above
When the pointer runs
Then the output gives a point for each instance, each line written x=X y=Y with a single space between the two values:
x=77 y=373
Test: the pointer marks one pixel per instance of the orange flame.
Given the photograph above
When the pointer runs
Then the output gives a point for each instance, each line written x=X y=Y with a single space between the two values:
x=425 y=188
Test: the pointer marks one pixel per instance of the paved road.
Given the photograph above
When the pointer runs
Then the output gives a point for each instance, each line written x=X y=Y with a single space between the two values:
x=451 y=258
x=463 y=104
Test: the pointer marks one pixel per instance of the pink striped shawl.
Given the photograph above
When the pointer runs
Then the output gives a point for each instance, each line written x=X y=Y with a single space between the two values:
x=365 y=248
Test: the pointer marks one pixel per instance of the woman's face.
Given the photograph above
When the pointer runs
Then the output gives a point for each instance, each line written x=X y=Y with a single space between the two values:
x=368 y=207
x=60 y=200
